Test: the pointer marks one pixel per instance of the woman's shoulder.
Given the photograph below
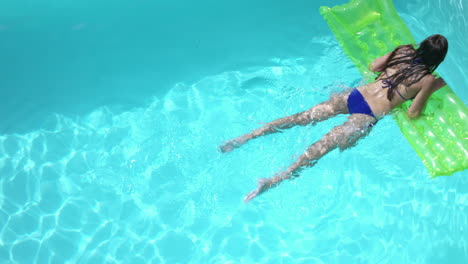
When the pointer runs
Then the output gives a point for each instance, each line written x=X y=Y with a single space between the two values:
x=425 y=83
x=428 y=80
x=405 y=49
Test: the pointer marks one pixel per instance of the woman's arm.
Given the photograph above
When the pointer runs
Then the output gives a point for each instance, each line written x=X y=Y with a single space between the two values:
x=378 y=65
x=429 y=85
x=438 y=83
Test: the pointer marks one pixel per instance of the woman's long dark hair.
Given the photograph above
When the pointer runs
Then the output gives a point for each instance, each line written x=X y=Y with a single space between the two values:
x=424 y=60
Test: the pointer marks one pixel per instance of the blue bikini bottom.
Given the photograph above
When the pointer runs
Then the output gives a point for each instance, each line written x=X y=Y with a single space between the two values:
x=358 y=105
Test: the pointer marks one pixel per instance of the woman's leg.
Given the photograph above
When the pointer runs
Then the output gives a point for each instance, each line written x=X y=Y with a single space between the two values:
x=336 y=105
x=344 y=136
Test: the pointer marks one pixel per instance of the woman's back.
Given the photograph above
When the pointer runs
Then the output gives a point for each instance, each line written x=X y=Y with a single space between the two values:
x=399 y=61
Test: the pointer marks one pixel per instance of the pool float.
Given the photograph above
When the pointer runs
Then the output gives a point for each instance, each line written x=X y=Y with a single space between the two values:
x=368 y=29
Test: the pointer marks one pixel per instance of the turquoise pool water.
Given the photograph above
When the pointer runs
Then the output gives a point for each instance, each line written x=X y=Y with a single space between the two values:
x=132 y=175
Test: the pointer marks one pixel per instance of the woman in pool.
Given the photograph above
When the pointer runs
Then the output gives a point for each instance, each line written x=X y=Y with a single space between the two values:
x=405 y=74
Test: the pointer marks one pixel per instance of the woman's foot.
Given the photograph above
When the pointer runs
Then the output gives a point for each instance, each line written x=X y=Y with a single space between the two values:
x=232 y=144
x=263 y=185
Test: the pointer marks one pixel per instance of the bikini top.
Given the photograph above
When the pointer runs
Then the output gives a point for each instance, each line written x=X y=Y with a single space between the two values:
x=388 y=84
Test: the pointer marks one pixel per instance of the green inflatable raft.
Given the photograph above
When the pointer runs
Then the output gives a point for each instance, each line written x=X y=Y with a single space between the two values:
x=368 y=29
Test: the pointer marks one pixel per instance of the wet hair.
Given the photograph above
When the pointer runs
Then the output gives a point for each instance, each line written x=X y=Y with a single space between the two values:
x=421 y=61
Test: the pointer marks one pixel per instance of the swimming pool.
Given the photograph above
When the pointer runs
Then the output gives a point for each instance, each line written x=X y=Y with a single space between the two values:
x=128 y=171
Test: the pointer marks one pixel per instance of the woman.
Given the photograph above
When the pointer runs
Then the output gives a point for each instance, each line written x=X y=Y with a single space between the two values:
x=405 y=74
